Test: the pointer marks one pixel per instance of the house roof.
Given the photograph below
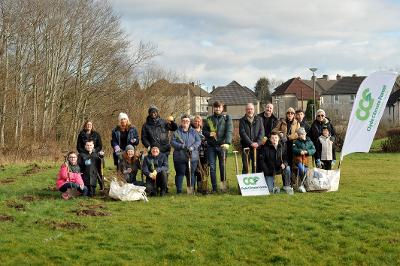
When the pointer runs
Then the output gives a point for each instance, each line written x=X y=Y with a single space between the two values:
x=233 y=94
x=298 y=87
x=321 y=84
x=346 y=85
x=178 y=89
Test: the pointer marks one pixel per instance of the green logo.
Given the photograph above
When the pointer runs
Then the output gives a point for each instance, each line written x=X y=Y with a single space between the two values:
x=364 y=105
x=251 y=180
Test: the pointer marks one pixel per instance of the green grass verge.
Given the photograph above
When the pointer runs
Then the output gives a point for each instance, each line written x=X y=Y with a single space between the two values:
x=358 y=225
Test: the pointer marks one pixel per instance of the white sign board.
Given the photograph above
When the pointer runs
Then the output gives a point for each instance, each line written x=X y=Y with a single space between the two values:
x=253 y=184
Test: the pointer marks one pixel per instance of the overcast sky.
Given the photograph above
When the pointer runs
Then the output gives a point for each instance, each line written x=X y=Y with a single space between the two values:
x=218 y=41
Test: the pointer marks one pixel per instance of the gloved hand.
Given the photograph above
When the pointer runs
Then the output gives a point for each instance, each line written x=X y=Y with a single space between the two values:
x=225 y=146
x=117 y=149
x=101 y=153
x=133 y=140
x=333 y=163
x=318 y=162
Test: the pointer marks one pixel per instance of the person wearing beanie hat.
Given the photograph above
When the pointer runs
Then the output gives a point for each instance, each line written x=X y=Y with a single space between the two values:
x=316 y=127
x=155 y=131
x=303 y=148
x=186 y=142
x=155 y=168
x=122 y=135
x=287 y=130
x=129 y=164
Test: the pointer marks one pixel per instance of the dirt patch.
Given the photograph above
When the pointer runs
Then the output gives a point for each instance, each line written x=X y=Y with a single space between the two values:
x=92 y=206
x=91 y=212
x=51 y=188
x=6 y=218
x=15 y=205
x=33 y=169
x=7 y=180
x=66 y=225
x=29 y=198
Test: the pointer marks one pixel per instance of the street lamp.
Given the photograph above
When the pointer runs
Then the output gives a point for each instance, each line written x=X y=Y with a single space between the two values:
x=313 y=70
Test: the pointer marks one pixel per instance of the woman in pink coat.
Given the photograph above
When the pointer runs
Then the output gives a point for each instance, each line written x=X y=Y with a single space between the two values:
x=69 y=176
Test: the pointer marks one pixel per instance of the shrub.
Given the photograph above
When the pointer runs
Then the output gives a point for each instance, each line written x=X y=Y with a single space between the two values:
x=392 y=144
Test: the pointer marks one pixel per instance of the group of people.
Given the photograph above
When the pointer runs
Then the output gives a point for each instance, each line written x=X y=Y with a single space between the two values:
x=279 y=147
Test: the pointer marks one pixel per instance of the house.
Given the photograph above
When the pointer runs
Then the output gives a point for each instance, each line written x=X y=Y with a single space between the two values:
x=235 y=98
x=339 y=99
x=296 y=92
x=182 y=98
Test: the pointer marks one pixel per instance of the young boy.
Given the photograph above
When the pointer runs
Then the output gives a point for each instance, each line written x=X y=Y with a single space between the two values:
x=325 y=156
x=89 y=162
x=155 y=168
x=303 y=148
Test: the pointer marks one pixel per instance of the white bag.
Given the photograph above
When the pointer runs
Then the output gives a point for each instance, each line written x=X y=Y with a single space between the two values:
x=322 y=180
x=127 y=192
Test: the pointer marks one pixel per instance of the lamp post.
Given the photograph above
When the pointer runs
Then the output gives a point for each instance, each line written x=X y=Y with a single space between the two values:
x=313 y=70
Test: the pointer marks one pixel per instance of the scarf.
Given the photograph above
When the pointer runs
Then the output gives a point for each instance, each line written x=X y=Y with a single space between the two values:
x=250 y=119
x=74 y=168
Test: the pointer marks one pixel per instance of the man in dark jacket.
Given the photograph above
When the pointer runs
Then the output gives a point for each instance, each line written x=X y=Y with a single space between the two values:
x=89 y=161
x=155 y=131
x=155 y=167
x=269 y=120
x=274 y=161
x=218 y=130
x=251 y=133
x=303 y=123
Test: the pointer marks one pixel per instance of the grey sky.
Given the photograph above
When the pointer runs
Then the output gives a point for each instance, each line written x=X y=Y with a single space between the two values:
x=215 y=42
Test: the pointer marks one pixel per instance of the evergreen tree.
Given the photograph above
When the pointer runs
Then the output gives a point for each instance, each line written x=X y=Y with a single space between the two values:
x=262 y=90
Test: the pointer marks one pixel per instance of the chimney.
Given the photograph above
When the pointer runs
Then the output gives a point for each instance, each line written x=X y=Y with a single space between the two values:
x=213 y=88
x=354 y=75
x=338 y=77
x=325 y=77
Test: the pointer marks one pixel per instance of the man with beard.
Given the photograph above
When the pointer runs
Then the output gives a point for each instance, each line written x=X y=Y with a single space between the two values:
x=155 y=132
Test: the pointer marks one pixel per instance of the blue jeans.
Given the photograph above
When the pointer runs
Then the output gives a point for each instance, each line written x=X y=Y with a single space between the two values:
x=213 y=153
x=302 y=170
x=285 y=179
x=182 y=169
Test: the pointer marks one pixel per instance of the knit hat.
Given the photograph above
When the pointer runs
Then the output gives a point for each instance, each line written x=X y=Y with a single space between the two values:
x=153 y=109
x=122 y=116
x=320 y=111
x=301 y=131
x=155 y=145
x=326 y=127
x=129 y=148
x=290 y=110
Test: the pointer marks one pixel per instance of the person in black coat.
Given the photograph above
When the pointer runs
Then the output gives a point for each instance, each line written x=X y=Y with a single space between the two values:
x=89 y=161
x=319 y=123
x=251 y=131
x=86 y=133
x=273 y=159
x=123 y=135
x=269 y=120
x=303 y=123
x=155 y=131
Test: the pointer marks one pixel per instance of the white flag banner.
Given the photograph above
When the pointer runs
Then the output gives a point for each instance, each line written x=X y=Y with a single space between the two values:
x=368 y=108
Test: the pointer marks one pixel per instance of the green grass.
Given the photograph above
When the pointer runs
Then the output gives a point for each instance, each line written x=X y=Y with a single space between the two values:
x=358 y=225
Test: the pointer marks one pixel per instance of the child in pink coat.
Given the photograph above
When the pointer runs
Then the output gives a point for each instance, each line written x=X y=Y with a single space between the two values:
x=69 y=176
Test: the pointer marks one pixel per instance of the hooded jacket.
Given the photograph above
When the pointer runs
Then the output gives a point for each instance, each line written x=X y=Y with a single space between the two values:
x=65 y=176
x=316 y=129
x=272 y=158
x=182 y=142
x=303 y=145
x=156 y=132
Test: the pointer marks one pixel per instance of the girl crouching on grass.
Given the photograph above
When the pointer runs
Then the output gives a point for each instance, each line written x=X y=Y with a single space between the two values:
x=69 y=176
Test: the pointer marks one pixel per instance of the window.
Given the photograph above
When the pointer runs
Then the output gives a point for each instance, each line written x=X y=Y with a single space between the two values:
x=336 y=99
x=352 y=98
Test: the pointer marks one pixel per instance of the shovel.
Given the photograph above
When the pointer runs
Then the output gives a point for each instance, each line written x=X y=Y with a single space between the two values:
x=247 y=152
x=189 y=189
x=237 y=168
x=224 y=183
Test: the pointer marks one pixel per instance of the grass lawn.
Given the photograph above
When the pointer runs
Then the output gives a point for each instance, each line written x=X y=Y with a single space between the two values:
x=359 y=224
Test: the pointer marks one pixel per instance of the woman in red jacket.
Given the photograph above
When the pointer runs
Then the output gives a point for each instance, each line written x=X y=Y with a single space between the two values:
x=69 y=176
